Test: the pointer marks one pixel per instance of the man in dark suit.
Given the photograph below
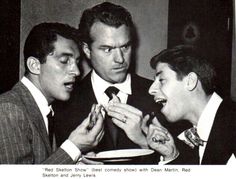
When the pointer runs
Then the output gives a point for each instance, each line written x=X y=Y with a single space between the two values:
x=184 y=86
x=51 y=54
x=108 y=41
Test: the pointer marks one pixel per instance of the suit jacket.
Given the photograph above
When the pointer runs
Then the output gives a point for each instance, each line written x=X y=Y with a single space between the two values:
x=71 y=113
x=23 y=135
x=221 y=143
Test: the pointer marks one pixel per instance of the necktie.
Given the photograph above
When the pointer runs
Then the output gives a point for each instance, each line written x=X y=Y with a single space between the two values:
x=109 y=124
x=50 y=127
x=193 y=137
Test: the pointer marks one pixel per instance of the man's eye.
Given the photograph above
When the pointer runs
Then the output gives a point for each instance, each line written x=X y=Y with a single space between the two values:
x=161 y=80
x=107 y=50
x=64 y=59
x=125 y=48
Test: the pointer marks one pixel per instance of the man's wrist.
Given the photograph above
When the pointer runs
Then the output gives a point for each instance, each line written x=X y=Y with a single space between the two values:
x=172 y=157
x=71 y=149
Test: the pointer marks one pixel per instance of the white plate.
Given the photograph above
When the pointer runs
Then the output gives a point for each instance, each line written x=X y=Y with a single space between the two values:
x=120 y=155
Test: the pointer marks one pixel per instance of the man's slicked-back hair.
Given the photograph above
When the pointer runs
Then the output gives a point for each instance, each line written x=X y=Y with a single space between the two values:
x=184 y=59
x=107 y=13
x=40 y=41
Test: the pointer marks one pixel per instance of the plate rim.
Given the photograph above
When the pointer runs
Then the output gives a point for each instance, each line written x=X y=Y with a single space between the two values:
x=120 y=157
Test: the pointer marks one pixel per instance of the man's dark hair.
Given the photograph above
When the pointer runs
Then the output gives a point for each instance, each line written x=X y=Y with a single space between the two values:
x=40 y=41
x=184 y=59
x=107 y=13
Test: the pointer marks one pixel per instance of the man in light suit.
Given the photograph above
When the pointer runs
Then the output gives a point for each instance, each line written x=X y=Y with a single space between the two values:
x=185 y=87
x=51 y=55
x=108 y=43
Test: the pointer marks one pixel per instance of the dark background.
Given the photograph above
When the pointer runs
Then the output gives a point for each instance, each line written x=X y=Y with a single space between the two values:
x=9 y=43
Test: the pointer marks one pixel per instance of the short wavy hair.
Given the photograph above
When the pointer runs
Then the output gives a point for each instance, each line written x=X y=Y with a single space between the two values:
x=184 y=59
x=107 y=13
x=40 y=41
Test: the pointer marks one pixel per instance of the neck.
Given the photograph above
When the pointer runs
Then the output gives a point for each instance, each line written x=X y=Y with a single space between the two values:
x=37 y=84
x=198 y=105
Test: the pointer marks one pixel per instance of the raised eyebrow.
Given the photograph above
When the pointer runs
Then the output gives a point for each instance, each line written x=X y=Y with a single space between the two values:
x=126 y=44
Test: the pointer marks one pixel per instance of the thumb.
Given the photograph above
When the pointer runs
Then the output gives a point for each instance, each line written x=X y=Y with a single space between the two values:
x=156 y=122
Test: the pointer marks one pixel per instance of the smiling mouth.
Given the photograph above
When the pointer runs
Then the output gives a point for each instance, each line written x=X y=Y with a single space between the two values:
x=161 y=102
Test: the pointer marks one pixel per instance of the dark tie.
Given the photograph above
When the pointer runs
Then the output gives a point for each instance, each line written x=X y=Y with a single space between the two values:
x=109 y=124
x=50 y=127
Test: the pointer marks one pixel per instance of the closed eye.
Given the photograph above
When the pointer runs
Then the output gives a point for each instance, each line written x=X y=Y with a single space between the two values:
x=64 y=59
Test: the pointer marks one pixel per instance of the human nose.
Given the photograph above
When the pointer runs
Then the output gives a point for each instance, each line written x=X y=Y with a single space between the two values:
x=154 y=88
x=119 y=56
x=74 y=69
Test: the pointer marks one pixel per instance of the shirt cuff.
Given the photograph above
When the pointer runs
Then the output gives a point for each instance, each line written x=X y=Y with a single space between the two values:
x=71 y=149
x=162 y=162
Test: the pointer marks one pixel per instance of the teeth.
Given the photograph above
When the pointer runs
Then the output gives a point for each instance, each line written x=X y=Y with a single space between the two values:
x=161 y=101
x=69 y=85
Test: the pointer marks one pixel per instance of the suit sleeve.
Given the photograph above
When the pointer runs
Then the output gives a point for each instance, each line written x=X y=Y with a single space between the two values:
x=15 y=146
x=17 y=137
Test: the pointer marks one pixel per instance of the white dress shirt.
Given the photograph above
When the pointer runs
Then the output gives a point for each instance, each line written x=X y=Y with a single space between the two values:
x=45 y=109
x=100 y=85
x=205 y=122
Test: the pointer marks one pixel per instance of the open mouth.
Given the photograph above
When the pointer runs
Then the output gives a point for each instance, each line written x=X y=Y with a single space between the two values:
x=69 y=85
x=161 y=101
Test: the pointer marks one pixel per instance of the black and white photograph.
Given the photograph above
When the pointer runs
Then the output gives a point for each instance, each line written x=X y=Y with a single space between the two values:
x=117 y=88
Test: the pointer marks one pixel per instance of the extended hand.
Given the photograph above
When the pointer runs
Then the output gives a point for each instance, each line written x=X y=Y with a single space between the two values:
x=85 y=137
x=129 y=119
x=161 y=140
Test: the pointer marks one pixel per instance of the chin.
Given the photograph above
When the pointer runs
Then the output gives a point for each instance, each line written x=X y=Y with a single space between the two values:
x=64 y=97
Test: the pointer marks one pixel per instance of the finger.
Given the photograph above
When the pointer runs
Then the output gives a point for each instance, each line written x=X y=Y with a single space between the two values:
x=93 y=107
x=156 y=122
x=122 y=107
x=87 y=161
x=100 y=135
x=115 y=99
x=158 y=133
x=118 y=122
x=144 y=126
x=98 y=126
x=122 y=117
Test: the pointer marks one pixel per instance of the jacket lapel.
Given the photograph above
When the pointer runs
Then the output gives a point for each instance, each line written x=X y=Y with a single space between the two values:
x=218 y=148
x=34 y=113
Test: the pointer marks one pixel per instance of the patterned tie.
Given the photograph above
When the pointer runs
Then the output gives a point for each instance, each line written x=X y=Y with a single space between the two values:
x=50 y=127
x=109 y=124
x=193 y=137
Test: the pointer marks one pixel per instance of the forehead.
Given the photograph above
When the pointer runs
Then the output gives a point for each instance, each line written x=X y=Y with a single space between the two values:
x=164 y=69
x=102 y=33
x=65 y=45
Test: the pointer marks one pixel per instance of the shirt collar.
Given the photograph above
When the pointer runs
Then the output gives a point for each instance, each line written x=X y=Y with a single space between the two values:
x=208 y=115
x=38 y=96
x=101 y=85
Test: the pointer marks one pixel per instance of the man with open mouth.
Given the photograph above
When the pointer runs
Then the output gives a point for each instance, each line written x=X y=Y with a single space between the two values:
x=185 y=87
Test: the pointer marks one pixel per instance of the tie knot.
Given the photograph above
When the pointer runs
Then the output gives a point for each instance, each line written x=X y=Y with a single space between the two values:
x=193 y=137
x=50 y=115
x=111 y=90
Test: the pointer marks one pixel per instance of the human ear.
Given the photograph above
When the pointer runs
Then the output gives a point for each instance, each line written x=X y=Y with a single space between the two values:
x=191 y=81
x=86 y=50
x=33 y=65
